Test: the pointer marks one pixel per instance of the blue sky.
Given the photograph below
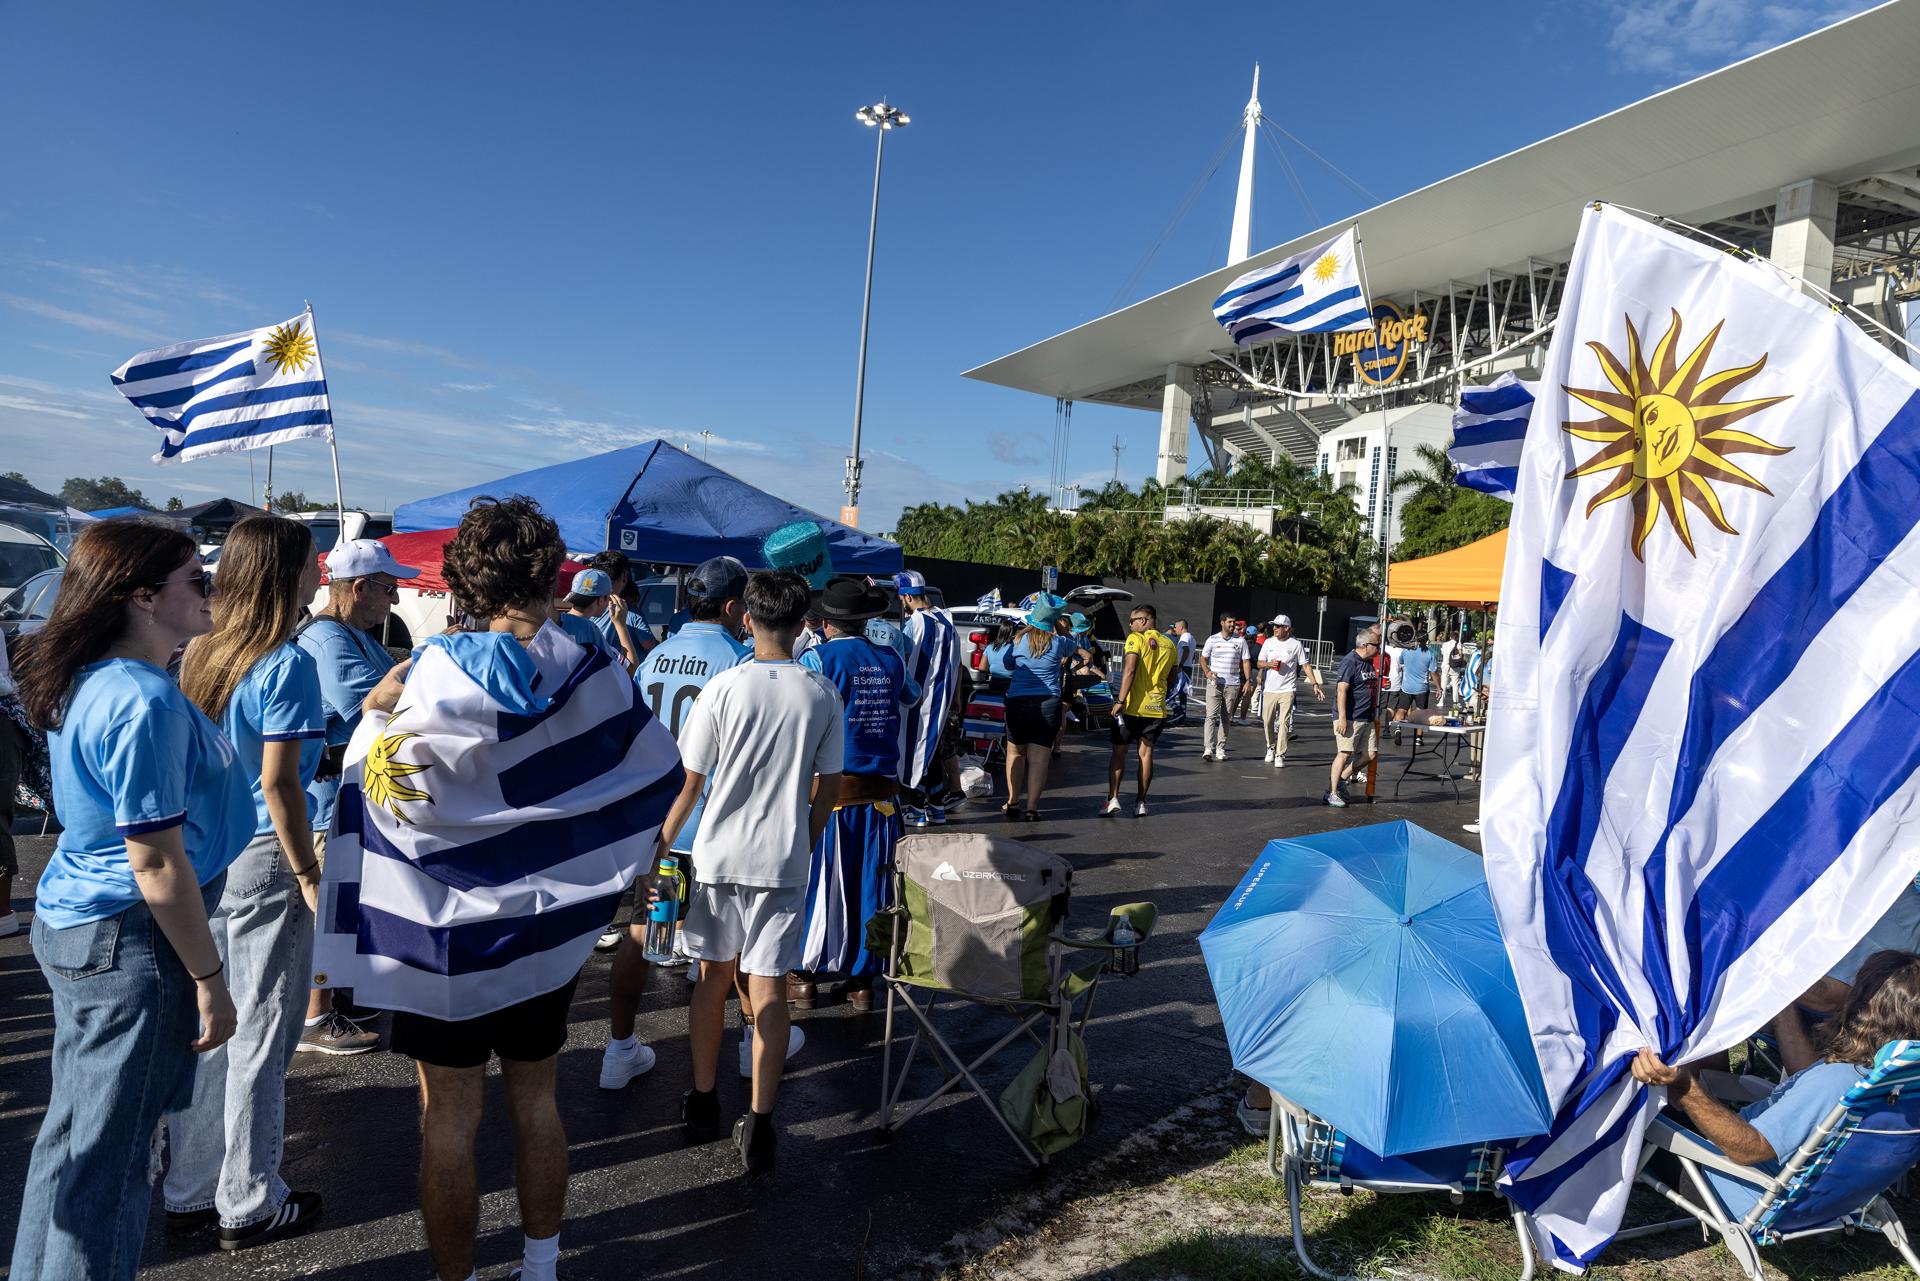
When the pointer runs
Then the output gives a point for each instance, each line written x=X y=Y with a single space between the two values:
x=534 y=233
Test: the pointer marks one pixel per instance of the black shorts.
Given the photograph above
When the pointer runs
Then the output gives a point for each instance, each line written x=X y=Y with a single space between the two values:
x=533 y=1030
x=1134 y=729
x=1033 y=720
x=1402 y=701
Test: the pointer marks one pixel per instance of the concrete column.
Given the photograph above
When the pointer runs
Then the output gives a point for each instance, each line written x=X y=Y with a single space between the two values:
x=1803 y=222
x=1176 y=419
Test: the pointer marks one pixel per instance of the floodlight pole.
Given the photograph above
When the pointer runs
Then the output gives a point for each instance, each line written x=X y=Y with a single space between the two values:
x=883 y=118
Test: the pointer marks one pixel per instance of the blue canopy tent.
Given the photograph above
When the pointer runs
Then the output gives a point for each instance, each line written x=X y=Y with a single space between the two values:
x=658 y=504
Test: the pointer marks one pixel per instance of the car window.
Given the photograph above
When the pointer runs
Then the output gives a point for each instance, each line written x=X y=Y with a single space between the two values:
x=40 y=594
x=377 y=528
x=655 y=603
x=325 y=534
x=21 y=561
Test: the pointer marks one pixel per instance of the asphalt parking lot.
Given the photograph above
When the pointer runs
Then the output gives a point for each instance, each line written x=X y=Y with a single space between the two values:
x=844 y=1201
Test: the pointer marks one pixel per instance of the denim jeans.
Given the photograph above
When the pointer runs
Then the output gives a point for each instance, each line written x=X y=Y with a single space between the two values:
x=123 y=1017
x=224 y=1149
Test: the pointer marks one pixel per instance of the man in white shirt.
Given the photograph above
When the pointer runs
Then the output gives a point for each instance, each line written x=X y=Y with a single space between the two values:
x=1282 y=659
x=765 y=740
x=1224 y=668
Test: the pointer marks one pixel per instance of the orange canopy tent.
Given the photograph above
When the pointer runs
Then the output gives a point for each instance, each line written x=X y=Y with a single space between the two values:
x=1467 y=575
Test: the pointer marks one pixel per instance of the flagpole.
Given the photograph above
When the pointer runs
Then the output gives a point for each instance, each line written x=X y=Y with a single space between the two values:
x=267 y=498
x=339 y=501
x=1386 y=515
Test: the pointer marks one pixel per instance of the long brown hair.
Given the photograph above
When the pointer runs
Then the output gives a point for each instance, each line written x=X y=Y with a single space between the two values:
x=1883 y=1006
x=110 y=561
x=257 y=608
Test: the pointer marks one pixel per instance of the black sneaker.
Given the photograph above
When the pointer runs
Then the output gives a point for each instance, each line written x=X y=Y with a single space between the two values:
x=753 y=1139
x=296 y=1214
x=183 y=1223
x=702 y=1122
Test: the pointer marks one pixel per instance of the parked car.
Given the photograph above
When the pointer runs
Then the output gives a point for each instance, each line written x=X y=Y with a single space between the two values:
x=24 y=554
x=28 y=607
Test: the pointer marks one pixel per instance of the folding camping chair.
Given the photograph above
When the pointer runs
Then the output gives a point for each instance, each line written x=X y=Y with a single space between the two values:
x=1832 y=1183
x=984 y=724
x=979 y=921
x=1306 y=1151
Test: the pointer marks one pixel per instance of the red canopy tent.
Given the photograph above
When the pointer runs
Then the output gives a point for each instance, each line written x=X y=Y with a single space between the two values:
x=426 y=550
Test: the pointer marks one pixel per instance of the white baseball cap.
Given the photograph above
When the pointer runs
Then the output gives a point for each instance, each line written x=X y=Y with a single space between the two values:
x=1281 y=620
x=358 y=557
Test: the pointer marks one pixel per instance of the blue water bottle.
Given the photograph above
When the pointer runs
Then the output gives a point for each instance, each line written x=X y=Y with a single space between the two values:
x=663 y=914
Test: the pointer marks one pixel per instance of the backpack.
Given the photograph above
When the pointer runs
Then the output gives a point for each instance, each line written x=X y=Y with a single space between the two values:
x=1457 y=660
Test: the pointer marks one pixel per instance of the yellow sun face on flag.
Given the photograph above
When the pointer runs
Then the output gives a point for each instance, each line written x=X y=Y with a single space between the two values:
x=382 y=773
x=1666 y=428
x=1326 y=267
x=290 y=347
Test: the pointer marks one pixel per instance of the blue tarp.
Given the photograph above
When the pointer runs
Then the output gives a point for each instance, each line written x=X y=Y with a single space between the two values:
x=659 y=504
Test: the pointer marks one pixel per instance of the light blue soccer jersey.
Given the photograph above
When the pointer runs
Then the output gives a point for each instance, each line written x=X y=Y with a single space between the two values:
x=132 y=756
x=277 y=701
x=583 y=632
x=672 y=677
x=349 y=664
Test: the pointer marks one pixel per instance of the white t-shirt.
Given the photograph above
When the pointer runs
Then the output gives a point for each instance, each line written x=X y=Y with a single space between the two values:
x=1393 y=668
x=1291 y=655
x=760 y=732
x=1223 y=655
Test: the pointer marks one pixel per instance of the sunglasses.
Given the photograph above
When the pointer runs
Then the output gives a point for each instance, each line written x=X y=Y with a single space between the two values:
x=202 y=580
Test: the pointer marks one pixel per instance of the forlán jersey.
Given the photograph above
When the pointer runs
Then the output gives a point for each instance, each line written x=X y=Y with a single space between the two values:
x=671 y=678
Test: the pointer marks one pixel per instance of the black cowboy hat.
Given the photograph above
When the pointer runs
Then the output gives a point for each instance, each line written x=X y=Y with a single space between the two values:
x=850 y=600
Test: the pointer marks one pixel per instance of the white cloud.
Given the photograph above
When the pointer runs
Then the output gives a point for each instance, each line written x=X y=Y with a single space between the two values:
x=404 y=347
x=77 y=319
x=468 y=386
x=1682 y=38
x=29 y=405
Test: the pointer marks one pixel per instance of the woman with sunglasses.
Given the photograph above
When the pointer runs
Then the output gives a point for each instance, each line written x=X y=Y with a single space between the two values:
x=154 y=811
x=264 y=691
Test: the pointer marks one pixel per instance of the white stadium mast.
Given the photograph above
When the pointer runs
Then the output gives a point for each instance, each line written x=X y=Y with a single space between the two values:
x=1240 y=247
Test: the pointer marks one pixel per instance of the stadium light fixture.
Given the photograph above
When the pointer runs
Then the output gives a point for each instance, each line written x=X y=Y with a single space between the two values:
x=886 y=117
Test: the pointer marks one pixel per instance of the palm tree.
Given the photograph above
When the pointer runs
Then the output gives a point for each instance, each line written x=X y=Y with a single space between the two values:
x=1432 y=478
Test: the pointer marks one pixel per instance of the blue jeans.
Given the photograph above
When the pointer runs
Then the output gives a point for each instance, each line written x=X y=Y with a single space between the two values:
x=123 y=1017
x=224 y=1149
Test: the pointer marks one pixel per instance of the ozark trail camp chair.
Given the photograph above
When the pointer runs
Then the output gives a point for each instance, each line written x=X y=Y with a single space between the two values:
x=979 y=921
x=1832 y=1183
x=1306 y=1152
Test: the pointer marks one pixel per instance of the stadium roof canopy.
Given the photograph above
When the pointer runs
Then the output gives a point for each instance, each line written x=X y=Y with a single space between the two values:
x=1841 y=105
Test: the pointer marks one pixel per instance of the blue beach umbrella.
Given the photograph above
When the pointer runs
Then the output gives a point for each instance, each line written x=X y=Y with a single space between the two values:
x=1361 y=975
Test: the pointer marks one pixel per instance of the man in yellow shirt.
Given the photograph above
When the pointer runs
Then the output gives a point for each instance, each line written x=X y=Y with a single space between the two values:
x=1140 y=707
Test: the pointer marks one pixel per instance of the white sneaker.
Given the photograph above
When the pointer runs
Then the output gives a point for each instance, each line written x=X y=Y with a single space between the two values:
x=795 y=1039
x=1279 y=762
x=1470 y=827
x=608 y=941
x=9 y=924
x=1112 y=806
x=618 y=1069
x=1269 y=756
x=1140 y=810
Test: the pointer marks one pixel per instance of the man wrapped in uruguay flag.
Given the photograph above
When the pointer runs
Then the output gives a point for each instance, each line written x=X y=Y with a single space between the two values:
x=1700 y=755
x=489 y=823
x=933 y=668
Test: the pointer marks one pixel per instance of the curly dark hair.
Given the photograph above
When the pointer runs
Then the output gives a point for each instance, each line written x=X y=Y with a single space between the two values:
x=507 y=552
x=777 y=598
x=616 y=565
x=1883 y=1006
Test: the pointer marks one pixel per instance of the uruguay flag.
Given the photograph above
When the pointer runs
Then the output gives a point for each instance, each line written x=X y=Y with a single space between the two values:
x=1317 y=292
x=933 y=667
x=241 y=391
x=486 y=830
x=1488 y=428
x=1700 y=754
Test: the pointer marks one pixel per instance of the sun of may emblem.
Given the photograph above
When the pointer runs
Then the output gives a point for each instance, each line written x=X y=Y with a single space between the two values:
x=1326 y=267
x=1666 y=432
x=290 y=347
x=382 y=775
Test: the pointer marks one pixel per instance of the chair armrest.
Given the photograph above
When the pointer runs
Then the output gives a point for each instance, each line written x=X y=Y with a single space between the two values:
x=1729 y=1088
x=1688 y=1146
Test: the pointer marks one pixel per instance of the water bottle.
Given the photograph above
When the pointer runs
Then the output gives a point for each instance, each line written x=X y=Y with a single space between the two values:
x=663 y=915
x=1126 y=961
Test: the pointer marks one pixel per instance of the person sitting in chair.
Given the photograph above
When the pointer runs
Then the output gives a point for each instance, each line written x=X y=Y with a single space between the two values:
x=1883 y=1006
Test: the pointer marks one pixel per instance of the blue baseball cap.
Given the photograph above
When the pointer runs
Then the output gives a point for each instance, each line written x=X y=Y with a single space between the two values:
x=592 y=584
x=720 y=578
x=910 y=582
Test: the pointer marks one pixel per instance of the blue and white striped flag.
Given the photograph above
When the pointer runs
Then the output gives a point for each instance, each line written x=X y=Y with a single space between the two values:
x=990 y=601
x=1701 y=758
x=243 y=391
x=1488 y=428
x=1317 y=292
x=487 y=829
x=933 y=667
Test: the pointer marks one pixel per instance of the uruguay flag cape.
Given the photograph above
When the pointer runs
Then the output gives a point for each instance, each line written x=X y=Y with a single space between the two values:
x=1701 y=751
x=486 y=830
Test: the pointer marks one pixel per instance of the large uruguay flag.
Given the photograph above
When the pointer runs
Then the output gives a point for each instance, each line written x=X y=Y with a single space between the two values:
x=933 y=667
x=1316 y=292
x=240 y=391
x=1488 y=429
x=486 y=830
x=1701 y=754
